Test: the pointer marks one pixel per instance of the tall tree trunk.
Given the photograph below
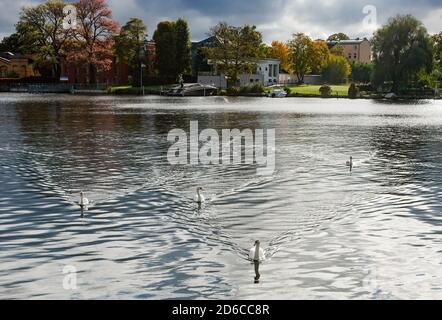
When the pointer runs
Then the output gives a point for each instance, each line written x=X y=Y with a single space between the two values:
x=57 y=70
x=92 y=74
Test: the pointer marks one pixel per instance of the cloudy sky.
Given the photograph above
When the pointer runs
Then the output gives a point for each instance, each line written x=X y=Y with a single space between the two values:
x=276 y=19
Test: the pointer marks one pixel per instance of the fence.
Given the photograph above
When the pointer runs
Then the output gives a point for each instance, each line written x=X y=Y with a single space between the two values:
x=56 y=88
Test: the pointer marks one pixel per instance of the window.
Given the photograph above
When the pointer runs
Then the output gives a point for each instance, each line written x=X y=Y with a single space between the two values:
x=251 y=80
x=275 y=66
x=349 y=55
x=270 y=70
x=355 y=55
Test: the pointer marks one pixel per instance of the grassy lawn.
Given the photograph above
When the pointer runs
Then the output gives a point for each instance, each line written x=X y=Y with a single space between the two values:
x=342 y=90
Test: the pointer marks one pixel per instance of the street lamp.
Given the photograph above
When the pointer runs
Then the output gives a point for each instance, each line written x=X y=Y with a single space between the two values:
x=141 y=78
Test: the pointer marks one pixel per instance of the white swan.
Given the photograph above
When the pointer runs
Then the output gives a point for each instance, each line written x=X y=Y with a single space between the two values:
x=256 y=253
x=350 y=163
x=84 y=202
x=199 y=198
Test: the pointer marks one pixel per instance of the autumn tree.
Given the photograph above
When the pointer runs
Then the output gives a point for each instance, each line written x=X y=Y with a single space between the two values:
x=235 y=49
x=41 y=32
x=338 y=37
x=320 y=56
x=280 y=50
x=129 y=45
x=301 y=55
x=402 y=50
x=94 y=37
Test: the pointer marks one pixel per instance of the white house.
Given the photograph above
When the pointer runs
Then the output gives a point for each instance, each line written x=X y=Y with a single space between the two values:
x=266 y=72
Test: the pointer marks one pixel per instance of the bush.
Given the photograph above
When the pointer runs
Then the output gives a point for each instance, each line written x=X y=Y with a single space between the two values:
x=366 y=87
x=325 y=91
x=232 y=91
x=252 y=89
x=353 y=91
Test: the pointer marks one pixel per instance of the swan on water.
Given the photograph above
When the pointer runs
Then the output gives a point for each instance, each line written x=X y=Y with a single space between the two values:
x=256 y=253
x=199 y=198
x=350 y=163
x=84 y=202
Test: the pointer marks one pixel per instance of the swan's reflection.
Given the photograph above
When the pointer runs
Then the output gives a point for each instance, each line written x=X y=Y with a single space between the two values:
x=257 y=274
x=256 y=254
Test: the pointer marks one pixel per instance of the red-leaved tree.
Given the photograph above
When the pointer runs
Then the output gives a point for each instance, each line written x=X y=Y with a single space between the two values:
x=93 y=44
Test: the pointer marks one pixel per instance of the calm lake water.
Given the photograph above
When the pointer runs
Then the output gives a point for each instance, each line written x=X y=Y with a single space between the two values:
x=375 y=233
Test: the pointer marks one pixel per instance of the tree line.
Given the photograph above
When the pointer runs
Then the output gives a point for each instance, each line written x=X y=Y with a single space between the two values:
x=95 y=39
x=404 y=54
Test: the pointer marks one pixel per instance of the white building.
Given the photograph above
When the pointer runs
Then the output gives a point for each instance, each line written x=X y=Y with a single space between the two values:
x=266 y=72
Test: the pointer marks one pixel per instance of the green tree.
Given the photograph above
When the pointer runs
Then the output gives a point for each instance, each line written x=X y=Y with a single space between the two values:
x=337 y=50
x=41 y=28
x=437 y=41
x=129 y=45
x=183 y=47
x=402 y=49
x=337 y=70
x=338 y=37
x=235 y=49
x=166 y=49
x=13 y=43
x=361 y=72
x=302 y=50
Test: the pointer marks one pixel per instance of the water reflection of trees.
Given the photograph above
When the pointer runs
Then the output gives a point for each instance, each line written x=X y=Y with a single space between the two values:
x=82 y=139
x=401 y=150
x=408 y=158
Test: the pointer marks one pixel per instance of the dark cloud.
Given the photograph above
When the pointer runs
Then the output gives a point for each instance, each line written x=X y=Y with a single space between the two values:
x=277 y=19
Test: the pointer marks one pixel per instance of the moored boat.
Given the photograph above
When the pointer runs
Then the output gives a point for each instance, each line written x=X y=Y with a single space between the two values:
x=192 y=90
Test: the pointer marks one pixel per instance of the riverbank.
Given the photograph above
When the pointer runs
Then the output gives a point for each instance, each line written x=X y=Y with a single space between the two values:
x=303 y=91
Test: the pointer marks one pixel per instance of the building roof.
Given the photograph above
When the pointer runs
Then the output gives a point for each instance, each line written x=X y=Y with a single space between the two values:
x=348 y=42
x=13 y=56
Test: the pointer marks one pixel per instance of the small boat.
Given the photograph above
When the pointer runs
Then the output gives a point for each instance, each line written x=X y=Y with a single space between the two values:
x=278 y=93
x=391 y=96
x=192 y=90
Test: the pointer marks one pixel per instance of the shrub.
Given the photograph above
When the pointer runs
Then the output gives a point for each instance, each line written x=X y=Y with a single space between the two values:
x=353 y=91
x=325 y=91
x=252 y=89
x=232 y=91
x=365 y=87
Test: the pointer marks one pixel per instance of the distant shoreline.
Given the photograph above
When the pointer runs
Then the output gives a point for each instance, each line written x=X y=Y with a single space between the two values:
x=304 y=96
